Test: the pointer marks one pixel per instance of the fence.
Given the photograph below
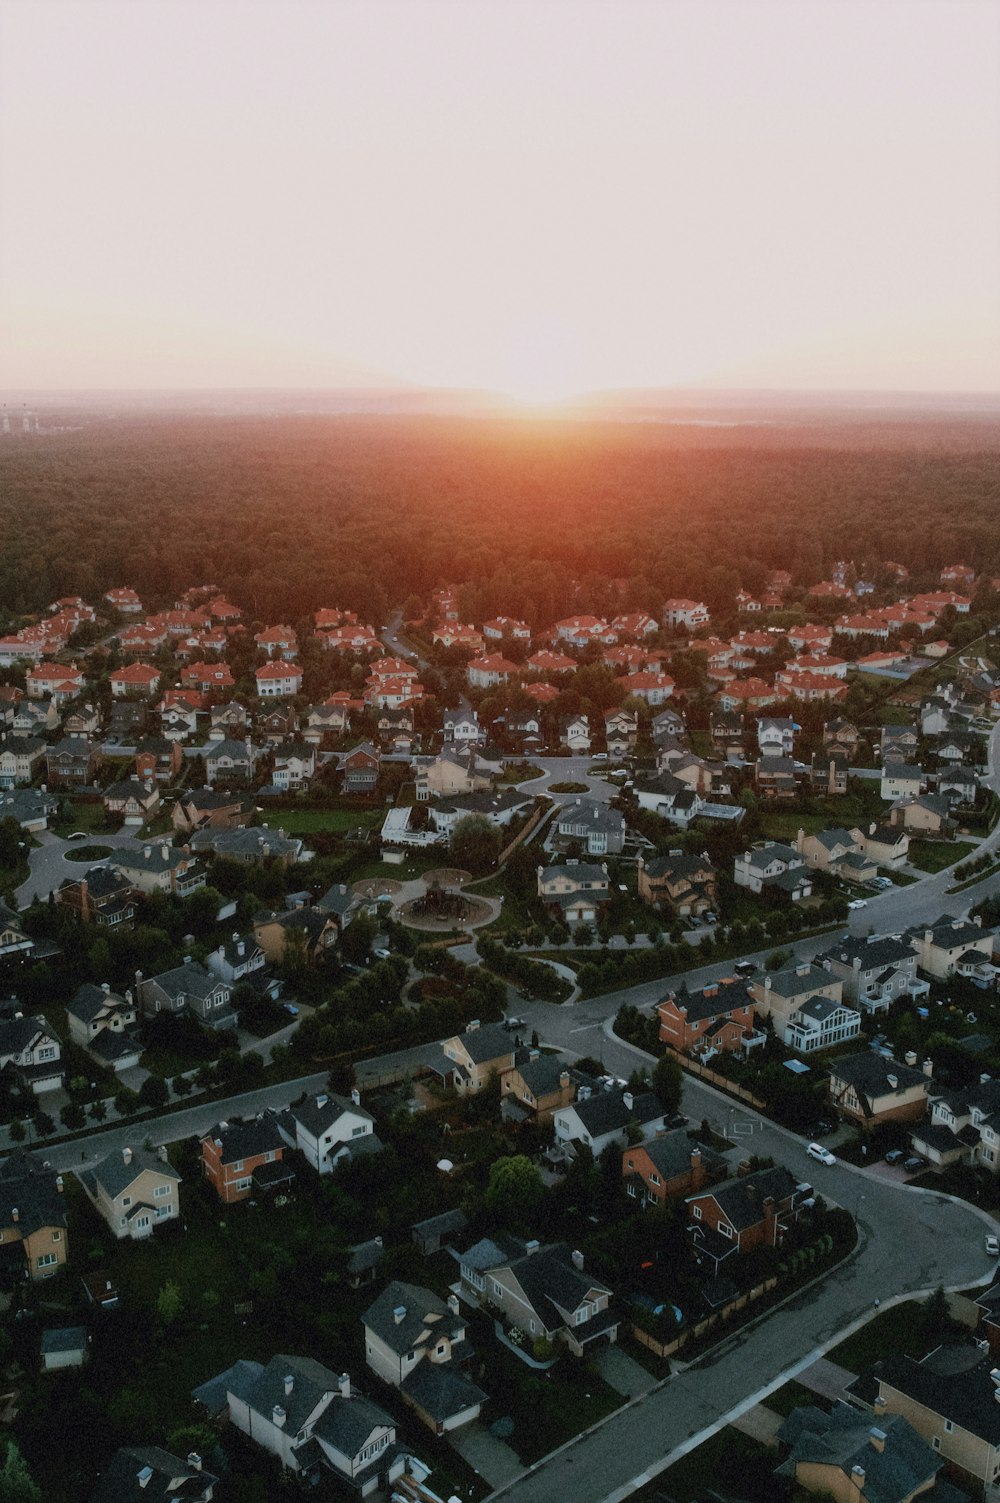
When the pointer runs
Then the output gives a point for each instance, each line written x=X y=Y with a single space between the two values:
x=702 y=1327
x=722 y=1082
x=532 y=823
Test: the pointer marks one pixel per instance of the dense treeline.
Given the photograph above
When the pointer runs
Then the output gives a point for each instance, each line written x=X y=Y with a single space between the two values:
x=287 y=514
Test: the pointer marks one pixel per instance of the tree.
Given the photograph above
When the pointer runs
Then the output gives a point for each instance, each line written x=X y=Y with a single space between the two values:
x=514 y=1188
x=16 y=1482
x=17 y=1131
x=475 y=844
x=356 y=940
x=73 y=1116
x=668 y=1082
x=126 y=1102
x=153 y=1092
x=169 y=1302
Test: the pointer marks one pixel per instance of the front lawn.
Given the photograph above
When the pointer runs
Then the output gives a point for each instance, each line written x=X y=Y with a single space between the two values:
x=729 y=1460
x=893 y=1332
x=935 y=855
x=305 y=821
x=91 y=817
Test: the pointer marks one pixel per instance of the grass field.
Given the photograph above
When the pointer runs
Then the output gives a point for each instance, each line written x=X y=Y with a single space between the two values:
x=892 y=1332
x=304 y=821
x=935 y=855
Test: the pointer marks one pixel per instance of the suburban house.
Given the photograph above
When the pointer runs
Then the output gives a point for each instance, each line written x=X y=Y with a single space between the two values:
x=669 y=796
x=547 y=1292
x=964 y=1126
x=13 y=940
x=840 y=1454
x=20 y=759
x=249 y=847
x=277 y=679
x=839 y=852
x=229 y=762
x=327 y=1129
x=598 y=1118
x=869 y=1089
x=419 y=1344
x=902 y=780
x=228 y=721
x=775 y=869
x=136 y=1474
x=161 y=868
x=294 y=766
x=669 y=1167
x=776 y=777
x=135 y=680
x=244 y=1158
x=574 y=733
x=575 y=890
x=102 y=1022
x=103 y=895
x=950 y=1399
x=678 y=883
x=469 y=1059
x=239 y=958
x=29 y=806
x=30 y=1053
x=886 y=845
x=535 y=1090
x=776 y=736
x=778 y=994
x=950 y=944
x=310 y=930
x=311 y=1419
x=874 y=971
x=33 y=1239
x=500 y=809
x=929 y=815
x=135 y=1191
x=210 y=808
x=599 y=828
x=132 y=801
x=360 y=767
x=719 y=1019
x=187 y=988
x=753 y=1210
x=621 y=731
x=71 y=763
x=158 y=760
x=828 y=774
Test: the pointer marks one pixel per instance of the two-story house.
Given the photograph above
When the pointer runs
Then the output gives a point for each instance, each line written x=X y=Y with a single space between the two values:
x=71 y=762
x=187 y=988
x=103 y=895
x=837 y=851
x=548 y=1293
x=240 y=1158
x=841 y=1454
x=902 y=780
x=869 y=1089
x=327 y=1129
x=135 y=1191
x=310 y=1419
x=753 y=1210
x=874 y=970
x=599 y=828
x=30 y=1052
x=161 y=868
x=773 y=868
x=32 y=1216
x=469 y=1059
x=535 y=1090
x=103 y=1023
x=13 y=940
x=679 y=883
x=805 y=1004
x=964 y=1125
x=669 y=1167
x=20 y=758
x=718 y=1019
x=944 y=947
x=137 y=1473
x=574 y=890
x=133 y=802
x=309 y=931
x=361 y=767
x=419 y=1344
x=294 y=766
x=599 y=1118
x=229 y=762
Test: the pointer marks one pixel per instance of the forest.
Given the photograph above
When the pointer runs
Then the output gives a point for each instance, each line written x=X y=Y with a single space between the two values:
x=289 y=513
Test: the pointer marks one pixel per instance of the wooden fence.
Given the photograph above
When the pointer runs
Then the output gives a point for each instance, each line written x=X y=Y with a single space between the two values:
x=702 y=1327
x=722 y=1082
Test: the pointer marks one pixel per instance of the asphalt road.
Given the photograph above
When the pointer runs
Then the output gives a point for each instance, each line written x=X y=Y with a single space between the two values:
x=48 y=865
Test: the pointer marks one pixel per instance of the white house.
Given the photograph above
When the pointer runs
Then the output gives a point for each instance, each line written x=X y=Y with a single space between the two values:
x=327 y=1129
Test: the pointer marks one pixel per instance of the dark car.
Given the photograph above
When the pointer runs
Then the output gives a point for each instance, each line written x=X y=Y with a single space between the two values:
x=914 y=1164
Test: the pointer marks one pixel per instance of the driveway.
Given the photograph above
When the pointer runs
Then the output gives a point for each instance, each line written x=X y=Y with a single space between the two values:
x=494 y=1461
x=621 y=1372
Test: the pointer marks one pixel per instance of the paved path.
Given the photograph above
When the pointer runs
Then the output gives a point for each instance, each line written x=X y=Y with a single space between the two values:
x=761 y=1424
x=826 y=1378
x=622 y=1373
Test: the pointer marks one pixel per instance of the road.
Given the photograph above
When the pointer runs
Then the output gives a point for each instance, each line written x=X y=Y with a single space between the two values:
x=49 y=867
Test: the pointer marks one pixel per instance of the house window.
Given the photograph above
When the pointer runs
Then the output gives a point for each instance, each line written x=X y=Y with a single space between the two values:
x=126 y=1200
x=163 y=1211
x=725 y=1229
x=47 y=1259
x=57 y=1236
x=122 y=1221
x=581 y=1315
x=949 y=1426
x=497 y=1290
x=47 y=1053
x=630 y=1190
x=236 y=1167
x=269 y=1156
x=160 y=1191
x=696 y=1213
x=245 y=1183
x=359 y=1132
x=654 y=1179
x=936 y=1442
x=440 y=1349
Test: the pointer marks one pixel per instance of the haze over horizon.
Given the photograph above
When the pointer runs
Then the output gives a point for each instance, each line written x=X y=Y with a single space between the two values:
x=544 y=201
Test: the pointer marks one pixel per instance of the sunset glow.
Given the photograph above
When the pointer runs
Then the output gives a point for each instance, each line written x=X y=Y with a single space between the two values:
x=535 y=199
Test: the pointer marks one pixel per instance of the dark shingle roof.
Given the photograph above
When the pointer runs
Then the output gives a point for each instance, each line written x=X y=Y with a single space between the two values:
x=553 y=1284
x=419 y=1310
x=32 y=1190
x=743 y=1199
x=843 y=1439
x=440 y=1391
x=114 y=1174
x=670 y=1154
x=486 y=1043
x=245 y=1140
x=164 y=1477
x=711 y=1001
x=607 y=1111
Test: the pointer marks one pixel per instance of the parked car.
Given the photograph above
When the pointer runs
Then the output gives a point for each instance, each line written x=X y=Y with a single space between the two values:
x=381 y=954
x=992 y=1245
x=821 y=1154
x=915 y=1164
x=858 y=903
x=512 y=1023
x=895 y=1155
x=291 y=1009
x=745 y=967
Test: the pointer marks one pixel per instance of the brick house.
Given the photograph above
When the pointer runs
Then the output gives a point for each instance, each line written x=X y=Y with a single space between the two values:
x=753 y=1210
x=240 y=1158
x=669 y=1167
x=32 y=1216
x=719 y=1019
x=361 y=766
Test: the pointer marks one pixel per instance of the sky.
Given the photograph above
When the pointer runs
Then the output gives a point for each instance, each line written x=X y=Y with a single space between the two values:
x=537 y=197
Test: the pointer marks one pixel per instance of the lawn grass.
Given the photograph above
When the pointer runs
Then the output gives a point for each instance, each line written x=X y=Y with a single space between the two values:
x=414 y=866
x=87 y=852
x=305 y=821
x=935 y=855
x=728 y=1461
x=785 y=825
x=893 y=1332
x=788 y=1397
x=78 y=816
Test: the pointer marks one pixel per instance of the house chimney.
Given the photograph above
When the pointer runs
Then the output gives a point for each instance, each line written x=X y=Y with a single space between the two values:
x=321 y=1102
x=910 y=1058
x=278 y=1417
x=126 y=1155
x=194 y=1461
x=344 y=1385
x=628 y=1100
x=355 y=1096
x=15 y=1214
x=892 y=1081
x=399 y=1314
x=453 y=1304
x=163 y=851
x=697 y=1169
x=858 y=1478
x=289 y=1384
x=877 y=1438
x=532 y=1246
x=564 y=1080
x=59 y=1183
x=928 y=1068
x=106 y=987
x=577 y=1260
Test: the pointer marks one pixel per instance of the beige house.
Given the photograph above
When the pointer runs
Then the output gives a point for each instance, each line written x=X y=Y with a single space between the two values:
x=942 y=948
x=838 y=851
x=869 y=1089
x=469 y=1059
x=418 y=1343
x=134 y=1190
x=952 y=1399
x=779 y=994
x=456 y=770
x=841 y=1456
x=548 y=1293
x=32 y=1215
